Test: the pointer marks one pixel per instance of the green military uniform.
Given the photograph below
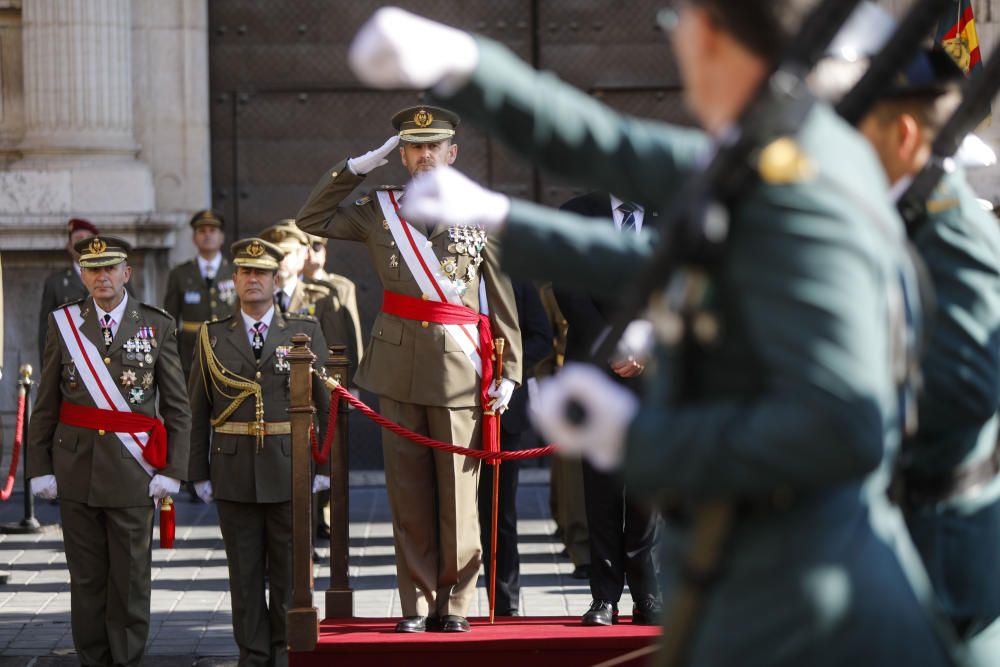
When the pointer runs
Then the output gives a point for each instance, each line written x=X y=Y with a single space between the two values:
x=346 y=292
x=787 y=405
x=251 y=477
x=104 y=500
x=60 y=287
x=424 y=382
x=951 y=492
x=191 y=298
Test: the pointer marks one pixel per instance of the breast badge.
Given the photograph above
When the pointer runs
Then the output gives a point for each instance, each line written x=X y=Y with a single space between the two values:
x=136 y=395
x=281 y=364
x=128 y=378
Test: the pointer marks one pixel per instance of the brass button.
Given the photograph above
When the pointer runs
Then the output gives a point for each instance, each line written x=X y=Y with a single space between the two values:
x=213 y=304
x=425 y=324
x=379 y=332
x=100 y=431
x=258 y=375
x=107 y=360
x=333 y=175
x=211 y=290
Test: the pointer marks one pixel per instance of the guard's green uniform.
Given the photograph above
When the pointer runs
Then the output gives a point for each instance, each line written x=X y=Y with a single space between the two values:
x=252 y=481
x=191 y=300
x=104 y=503
x=951 y=492
x=61 y=287
x=787 y=404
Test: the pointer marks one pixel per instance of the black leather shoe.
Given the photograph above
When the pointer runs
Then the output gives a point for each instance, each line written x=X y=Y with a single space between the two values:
x=601 y=612
x=412 y=624
x=647 y=612
x=451 y=623
x=581 y=572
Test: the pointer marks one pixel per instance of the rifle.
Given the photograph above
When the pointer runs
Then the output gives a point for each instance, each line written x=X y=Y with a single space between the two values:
x=977 y=92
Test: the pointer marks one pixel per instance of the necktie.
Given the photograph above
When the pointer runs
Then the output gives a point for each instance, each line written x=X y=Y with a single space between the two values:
x=281 y=298
x=258 y=339
x=628 y=216
x=106 y=324
x=210 y=279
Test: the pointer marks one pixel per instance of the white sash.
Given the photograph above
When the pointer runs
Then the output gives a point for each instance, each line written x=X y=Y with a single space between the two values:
x=418 y=255
x=94 y=373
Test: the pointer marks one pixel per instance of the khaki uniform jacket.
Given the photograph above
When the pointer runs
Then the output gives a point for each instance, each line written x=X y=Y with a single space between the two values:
x=238 y=470
x=320 y=299
x=93 y=468
x=61 y=287
x=347 y=293
x=407 y=360
x=190 y=301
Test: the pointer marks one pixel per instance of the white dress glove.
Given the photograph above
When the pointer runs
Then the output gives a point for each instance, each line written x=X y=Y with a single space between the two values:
x=633 y=349
x=372 y=160
x=162 y=486
x=501 y=395
x=203 y=490
x=397 y=49
x=321 y=483
x=445 y=195
x=607 y=410
x=44 y=487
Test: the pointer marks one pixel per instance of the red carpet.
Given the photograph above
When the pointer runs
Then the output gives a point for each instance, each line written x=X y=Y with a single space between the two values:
x=551 y=641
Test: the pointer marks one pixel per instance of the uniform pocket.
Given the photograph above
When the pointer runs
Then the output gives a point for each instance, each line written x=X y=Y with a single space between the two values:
x=224 y=445
x=67 y=440
x=388 y=330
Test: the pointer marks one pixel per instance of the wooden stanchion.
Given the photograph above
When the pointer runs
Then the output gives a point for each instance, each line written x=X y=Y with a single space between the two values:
x=339 y=596
x=303 y=617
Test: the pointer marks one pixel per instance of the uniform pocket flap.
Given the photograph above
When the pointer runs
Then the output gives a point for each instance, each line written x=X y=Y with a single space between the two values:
x=67 y=439
x=223 y=444
x=388 y=330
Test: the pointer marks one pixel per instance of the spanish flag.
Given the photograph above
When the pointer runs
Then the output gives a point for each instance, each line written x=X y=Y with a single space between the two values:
x=957 y=34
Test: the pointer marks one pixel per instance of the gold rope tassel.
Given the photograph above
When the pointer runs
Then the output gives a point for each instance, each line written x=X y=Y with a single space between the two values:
x=223 y=377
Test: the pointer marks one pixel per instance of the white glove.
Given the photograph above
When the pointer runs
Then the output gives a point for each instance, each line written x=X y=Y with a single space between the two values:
x=321 y=483
x=44 y=487
x=203 y=490
x=501 y=395
x=397 y=49
x=162 y=486
x=445 y=195
x=372 y=160
x=607 y=410
x=634 y=348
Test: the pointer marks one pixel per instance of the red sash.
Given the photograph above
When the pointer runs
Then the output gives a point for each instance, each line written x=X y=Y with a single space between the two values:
x=155 y=451
x=412 y=308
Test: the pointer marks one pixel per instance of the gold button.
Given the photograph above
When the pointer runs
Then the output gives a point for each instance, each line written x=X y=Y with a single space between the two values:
x=213 y=304
x=333 y=175
x=100 y=431
x=211 y=290
x=424 y=297
x=425 y=324
x=258 y=375
x=107 y=360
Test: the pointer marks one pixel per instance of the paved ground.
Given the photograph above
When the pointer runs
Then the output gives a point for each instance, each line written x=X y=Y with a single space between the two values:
x=191 y=620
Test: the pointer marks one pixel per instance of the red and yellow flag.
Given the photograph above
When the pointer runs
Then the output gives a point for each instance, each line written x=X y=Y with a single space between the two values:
x=957 y=34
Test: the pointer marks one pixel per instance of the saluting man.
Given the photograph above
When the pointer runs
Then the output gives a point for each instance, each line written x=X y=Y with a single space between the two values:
x=200 y=289
x=429 y=361
x=96 y=443
x=241 y=446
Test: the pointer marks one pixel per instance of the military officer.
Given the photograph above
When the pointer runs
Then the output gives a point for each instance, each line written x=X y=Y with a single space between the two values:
x=200 y=289
x=307 y=296
x=96 y=443
x=64 y=285
x=241 y=446
x=346 y=290
x=428 y=360
x=780 y=399
x=948 y=481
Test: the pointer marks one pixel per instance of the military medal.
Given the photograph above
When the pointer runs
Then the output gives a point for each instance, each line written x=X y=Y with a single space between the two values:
x=281 y=364
x=147 y=380
x=128 y=378
x=107 y=336
x=71 y=380
x=135 y=395
x=394 y=262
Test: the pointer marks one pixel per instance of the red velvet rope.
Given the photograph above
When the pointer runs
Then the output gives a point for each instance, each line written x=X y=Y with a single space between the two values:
x=8 y=488
x=340 y=392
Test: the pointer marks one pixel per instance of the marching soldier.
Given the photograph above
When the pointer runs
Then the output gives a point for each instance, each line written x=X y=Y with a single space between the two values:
x=64 y=285
x=307 y=296
x=200 y=289
x=96 y=443
x=346 y=290
x=241 y=446
x=773 y=392
x=429 y=362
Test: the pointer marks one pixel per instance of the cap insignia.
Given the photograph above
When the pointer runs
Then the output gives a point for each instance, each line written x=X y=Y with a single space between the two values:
x=423 y=118
x=97 y=246
x=255 y=249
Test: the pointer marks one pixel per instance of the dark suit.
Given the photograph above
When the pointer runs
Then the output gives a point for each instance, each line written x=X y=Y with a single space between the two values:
x=621 y=533
x=536 y=341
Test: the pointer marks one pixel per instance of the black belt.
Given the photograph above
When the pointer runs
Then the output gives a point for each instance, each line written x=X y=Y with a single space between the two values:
x=910 y=490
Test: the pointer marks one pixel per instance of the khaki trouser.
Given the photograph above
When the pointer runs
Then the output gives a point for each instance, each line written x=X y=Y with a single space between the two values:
x=258 y=539
x=435 y=521
x=569 y=509
x=109 y=553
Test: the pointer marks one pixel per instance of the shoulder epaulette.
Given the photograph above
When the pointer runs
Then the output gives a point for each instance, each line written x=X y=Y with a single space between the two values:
x=74 y=302
x=299 y=316
x=316 y=286
x=391 y=187
x=221 y=320
x=157 y=309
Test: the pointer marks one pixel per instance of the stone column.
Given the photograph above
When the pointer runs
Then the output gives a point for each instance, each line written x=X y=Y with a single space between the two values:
x=77 y=78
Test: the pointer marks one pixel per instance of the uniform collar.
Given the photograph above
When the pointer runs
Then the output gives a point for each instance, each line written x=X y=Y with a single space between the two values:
x=117 y=314
x=249 y=321
x=209 y=267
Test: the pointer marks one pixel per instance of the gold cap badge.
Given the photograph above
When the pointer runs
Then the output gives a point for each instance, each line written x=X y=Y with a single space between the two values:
x=423 y=118
x=97 y=246
x=255 y=249
x=783 y=162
